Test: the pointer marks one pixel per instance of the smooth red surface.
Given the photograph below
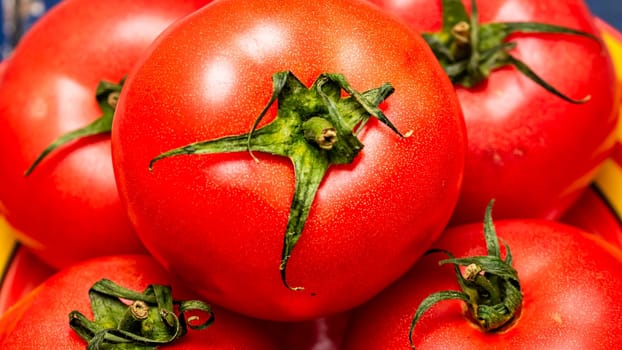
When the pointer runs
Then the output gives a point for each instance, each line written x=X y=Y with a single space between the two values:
x=592 y=213
x=530 y=150
x=23 y=274
x=40 y=321
x=68 y=209
x=571 y=282
x=324 y=333
x=219 y=220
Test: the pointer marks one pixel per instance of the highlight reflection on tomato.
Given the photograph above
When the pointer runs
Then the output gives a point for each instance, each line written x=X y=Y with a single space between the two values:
x=210 y=76
x=528 y=148
x=570 y=281
x=68 y=209
x=40 y=321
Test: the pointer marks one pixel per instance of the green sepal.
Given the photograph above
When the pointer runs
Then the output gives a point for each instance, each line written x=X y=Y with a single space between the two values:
x=469 y=58
x=287 y=135
x=107 y=94
x=430 y=301
x=489 y=286
x=114 y=327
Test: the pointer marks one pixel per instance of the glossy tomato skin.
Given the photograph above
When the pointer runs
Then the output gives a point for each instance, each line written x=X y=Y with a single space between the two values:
x=68 y=209
x=530 y=150
x=594 y=214
x=219 y=220
x=323 y=333
x=40 y=320
x=571 y=281
x=23 y=274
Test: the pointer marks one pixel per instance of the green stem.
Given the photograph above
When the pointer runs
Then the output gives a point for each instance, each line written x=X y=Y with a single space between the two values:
x=320 y=131
x=107 y=95
x=132 y=320
x=490 y=286
x=314 y=128
x=470 y=51
x=147 y=322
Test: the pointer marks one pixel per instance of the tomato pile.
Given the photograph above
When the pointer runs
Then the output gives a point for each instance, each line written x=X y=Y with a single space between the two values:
x=344 y=174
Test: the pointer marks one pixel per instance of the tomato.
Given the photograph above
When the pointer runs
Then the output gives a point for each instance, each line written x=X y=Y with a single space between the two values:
x=219 y=220
x=40 y=321
x=23 y=273
x=570 y=283
x=68 y=208
x=2 y=69
x=528 y=148
x=321 y=333
x=593 y=213
x=612 y=37
x=608 y=179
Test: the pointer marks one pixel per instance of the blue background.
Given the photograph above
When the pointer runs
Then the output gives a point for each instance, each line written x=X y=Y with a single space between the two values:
x=609 y=10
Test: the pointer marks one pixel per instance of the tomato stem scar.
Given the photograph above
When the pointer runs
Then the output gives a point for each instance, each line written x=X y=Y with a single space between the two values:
x=320 y=131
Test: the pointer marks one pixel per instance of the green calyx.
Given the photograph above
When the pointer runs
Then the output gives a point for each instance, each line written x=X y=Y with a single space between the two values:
x=129 y=320
x=107 y=95
x=489 y=285
x=470 y=51
x=315 y=128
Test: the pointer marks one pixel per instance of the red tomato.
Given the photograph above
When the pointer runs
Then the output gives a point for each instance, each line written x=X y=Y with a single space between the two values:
x=23 y=274
x=592 y=213
x=68 y=209
x=324 y=333
x=219 y=220
x=571 y=282
x=40 y=321
x=529 y=149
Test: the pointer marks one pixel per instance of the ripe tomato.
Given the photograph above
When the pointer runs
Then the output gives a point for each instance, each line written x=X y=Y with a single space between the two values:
x=570 y=280
x=323 y=333
x=40 y=320
x=593 y=213
x=23 y=273
x=608 y=178
x=219 y=220
x=529 y=149
x=68 y=209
